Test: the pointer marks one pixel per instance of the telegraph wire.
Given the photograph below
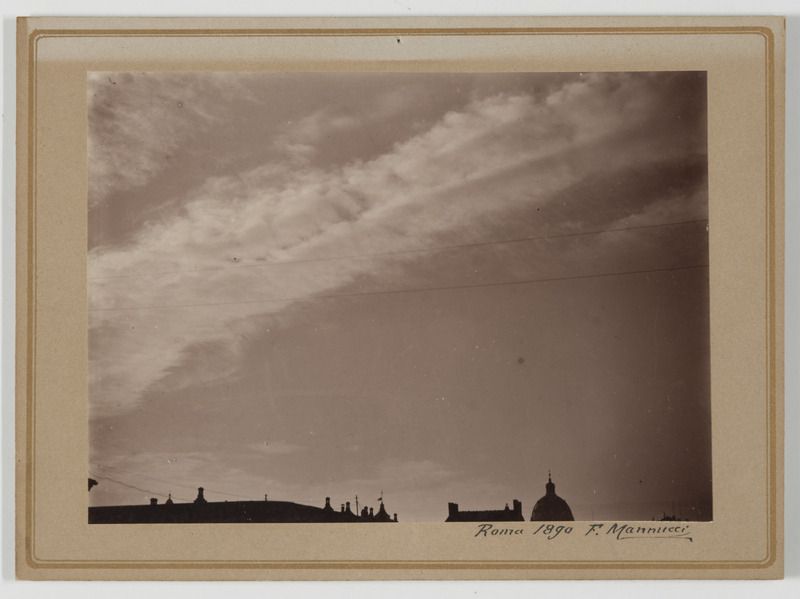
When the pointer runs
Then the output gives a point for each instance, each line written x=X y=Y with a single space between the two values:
x=161 y=480
x=401 y=252
x=153 y=478
x=134 y=487
x=400 y=291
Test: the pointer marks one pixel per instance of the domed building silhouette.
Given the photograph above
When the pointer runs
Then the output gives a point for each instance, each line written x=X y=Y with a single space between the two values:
x=551 y=507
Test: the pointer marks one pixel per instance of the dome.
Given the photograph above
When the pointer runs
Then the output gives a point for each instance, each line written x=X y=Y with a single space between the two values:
x=551 y=507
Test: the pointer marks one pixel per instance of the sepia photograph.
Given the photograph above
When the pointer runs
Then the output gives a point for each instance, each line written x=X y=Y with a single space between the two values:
x=354 y=297
x=510 y=290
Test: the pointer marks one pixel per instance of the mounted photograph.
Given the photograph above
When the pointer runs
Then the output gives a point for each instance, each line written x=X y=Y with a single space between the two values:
x=400 y=299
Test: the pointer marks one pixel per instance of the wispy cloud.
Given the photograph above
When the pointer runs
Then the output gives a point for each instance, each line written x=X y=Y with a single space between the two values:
x=219 y=255
x=137 y=121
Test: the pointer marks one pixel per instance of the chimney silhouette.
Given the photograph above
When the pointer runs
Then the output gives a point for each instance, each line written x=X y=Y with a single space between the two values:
x=452 y=509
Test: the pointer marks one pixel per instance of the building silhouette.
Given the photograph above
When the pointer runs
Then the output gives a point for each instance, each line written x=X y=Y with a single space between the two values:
x=504 y=515
x=203 y=511
x=551 y=507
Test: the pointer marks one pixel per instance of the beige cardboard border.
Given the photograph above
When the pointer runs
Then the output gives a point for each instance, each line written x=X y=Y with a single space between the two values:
x=52 y=550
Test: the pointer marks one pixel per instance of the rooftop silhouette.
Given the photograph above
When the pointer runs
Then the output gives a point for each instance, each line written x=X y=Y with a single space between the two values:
x=203 y=511
x=504 y=515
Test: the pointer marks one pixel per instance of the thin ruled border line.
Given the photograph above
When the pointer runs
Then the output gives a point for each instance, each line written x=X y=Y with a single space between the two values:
x=771 y=323
x=770 y=296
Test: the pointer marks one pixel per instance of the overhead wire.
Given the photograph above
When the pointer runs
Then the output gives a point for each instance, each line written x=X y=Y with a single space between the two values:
x=401 y=252
x=161 y=480
x=400 y=291
x=132 y=486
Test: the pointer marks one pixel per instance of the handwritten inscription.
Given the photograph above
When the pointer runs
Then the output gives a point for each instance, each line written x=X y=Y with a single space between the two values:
x=621 y=531
x=550 y=531
x=626 y=531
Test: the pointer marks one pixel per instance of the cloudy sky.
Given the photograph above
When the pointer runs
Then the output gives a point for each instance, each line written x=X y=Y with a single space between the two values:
x=431 y=286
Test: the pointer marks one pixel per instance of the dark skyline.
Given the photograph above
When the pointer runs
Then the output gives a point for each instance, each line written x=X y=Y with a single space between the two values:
x=435 y=285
